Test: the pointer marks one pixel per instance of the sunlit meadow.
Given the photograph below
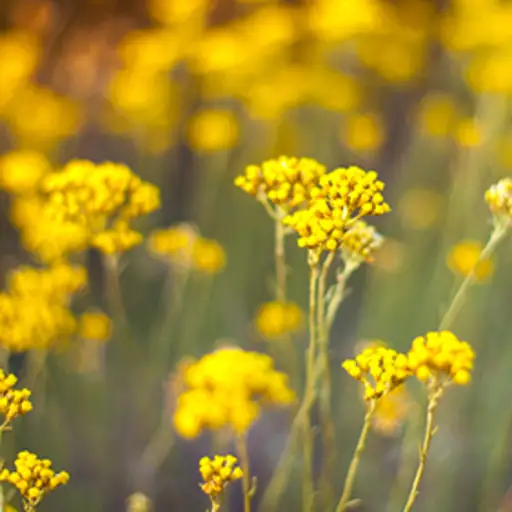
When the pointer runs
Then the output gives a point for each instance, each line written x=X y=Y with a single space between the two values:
x=254 y=255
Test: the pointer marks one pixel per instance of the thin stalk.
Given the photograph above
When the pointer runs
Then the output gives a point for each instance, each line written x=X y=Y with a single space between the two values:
x=280 y=260
x=329 y=444
x=354 y=463
x=496 y=237
x=241 y=442
x=433 y=401
x=307 y=477
x=277 y=484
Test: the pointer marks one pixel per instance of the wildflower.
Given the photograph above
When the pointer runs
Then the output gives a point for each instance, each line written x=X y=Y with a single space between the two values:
x=441 y=356
x=102 y=198
x=391 y=411
x=285 y=181
x=22 y=170
x=499 y=199
x=13 y=402
x=213 y=130
x=468 y=133
x=464 y=259
x=34 y=478
x=174 y=244
x=276 y=320
x=218 y=473
x=208 y=256
x=362 y=132
x=360 y=242
x=95 y=326
x=342 y=197
x=227 y=389
x=379 y=369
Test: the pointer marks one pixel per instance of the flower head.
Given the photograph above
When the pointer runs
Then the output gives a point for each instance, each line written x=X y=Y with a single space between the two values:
x=379 y=369
x=34 y=478
x=218 y=472
x=360 y=242
x=342 y=197
x=276 y=320
x=13 y=402
x=227 y=388
x=285 y=181
x=95 y=326
x=499 y=198
x=441 y=356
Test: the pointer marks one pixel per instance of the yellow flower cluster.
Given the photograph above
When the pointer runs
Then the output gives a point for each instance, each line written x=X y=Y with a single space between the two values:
x=34 y=309
x=342 y=197
x=379 y=369
x=360 y=242
x=95 y=326
x=218 y=472
x=103 y=199
x=276 y=320
x=499 y=198
x=34 y=478
x=13 y=402
x=285 y=181
x=441 y=355
x=227 y=389
x=184 y=247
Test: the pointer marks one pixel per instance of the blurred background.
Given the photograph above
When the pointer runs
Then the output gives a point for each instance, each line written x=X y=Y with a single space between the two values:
x=187 y=93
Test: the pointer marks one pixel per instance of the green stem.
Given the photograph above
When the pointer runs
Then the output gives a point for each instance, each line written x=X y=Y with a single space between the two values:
x=354 y=463
x=280 y=260
x=433 y=401
x=496 y=237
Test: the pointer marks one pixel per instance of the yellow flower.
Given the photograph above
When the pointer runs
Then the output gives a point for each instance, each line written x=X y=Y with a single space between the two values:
x=218 y=473
x=95 y=326
x=437 y=114
x=391 y=411
x=227 y=389
x=468 y=133
x=213 y=130
x=176 y=12
x=22 y=170
x=34 y=478
x=208 y=256
x=362 y=132
x=175 y=243
x=276 y=320
x=379 y=369
x=13 y=402
x=285 y=181
x=138 y=502
x=463 y=259
x=342 y=197
x=441 y=357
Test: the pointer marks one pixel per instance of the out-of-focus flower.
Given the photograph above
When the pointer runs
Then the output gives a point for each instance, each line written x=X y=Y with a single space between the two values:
x=468 y=133
x=138 y=502
x=22 y=170
x=277 y=320
x=464 y=258
x=362 y=132
x=208 y=256
x=95 y=326
x=227 y=388
x=360 y=242
x=437 y=114
x=391 y=411
x=419 y=208
x=176 y=12
x=441 y=357
x=391 y=256
x=213 y=130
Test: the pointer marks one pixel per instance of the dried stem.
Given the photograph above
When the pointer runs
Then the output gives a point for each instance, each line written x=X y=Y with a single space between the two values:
x=434 y=396
x=354 y=463
x=241 y=442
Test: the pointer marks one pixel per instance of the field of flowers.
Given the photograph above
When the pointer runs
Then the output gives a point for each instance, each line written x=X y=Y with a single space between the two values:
x=255 y=255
